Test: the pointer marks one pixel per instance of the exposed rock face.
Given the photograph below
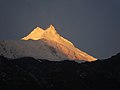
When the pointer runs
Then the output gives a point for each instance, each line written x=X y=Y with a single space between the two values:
x=43 y=44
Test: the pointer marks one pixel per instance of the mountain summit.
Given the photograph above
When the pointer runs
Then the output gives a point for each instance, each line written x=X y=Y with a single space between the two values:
x=59 y=43
x=43 y=44
x=48 y=34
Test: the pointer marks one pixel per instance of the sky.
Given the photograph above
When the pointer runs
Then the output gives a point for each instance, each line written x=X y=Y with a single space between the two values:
x=92 y=25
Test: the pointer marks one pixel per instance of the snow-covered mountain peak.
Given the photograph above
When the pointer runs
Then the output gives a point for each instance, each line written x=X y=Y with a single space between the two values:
x=35 y=34
x=43 y=44
x=39 y=33
x=51 y=28
x=49 y=34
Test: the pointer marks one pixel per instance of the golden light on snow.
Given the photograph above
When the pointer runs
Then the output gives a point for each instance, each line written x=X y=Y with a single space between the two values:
x=59 y=43
x=50 y=33
x=35 y=34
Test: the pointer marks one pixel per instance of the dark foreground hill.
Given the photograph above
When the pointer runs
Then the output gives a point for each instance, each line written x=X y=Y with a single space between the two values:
x=31 y=74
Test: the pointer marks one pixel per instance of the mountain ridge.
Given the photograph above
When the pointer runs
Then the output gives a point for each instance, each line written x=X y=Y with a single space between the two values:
x=49 y=33
x=43 y=44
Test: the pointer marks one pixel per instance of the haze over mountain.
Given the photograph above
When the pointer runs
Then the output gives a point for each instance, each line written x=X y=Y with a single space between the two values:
x=43 y=44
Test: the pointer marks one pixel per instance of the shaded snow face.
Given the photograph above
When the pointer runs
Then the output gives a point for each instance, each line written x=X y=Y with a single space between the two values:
x=37 y=49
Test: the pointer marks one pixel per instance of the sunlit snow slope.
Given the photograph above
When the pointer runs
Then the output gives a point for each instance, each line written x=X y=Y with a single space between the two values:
x=43 y=44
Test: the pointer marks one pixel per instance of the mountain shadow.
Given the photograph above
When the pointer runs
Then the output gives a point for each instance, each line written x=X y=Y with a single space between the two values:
x=36 y=74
